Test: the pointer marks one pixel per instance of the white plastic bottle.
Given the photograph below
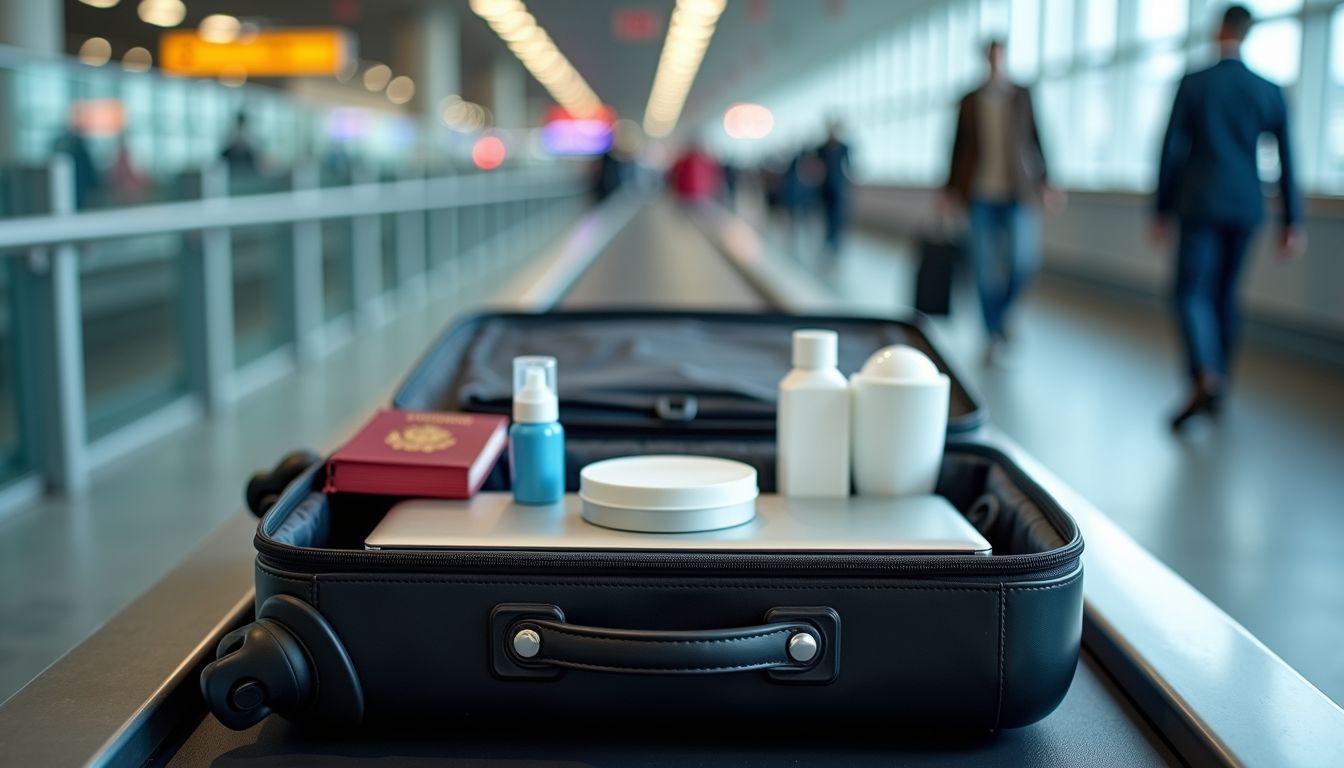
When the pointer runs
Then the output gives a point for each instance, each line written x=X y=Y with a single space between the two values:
x=813 y=421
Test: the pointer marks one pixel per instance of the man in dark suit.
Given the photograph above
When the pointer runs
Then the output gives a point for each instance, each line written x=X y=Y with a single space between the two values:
x=1209 y=183
x=997 y=175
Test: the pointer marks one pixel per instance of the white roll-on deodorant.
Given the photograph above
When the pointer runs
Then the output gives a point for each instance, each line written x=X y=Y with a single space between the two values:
x=813 y=421
x=900 y=423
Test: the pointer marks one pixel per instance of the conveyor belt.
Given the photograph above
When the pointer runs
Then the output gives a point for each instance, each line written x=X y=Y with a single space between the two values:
x=658 y=259
x=661 y=261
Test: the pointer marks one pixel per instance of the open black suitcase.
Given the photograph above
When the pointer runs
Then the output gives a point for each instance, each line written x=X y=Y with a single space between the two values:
x=345 y=636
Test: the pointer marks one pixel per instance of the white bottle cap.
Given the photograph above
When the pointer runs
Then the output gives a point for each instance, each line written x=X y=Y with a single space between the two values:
x=900 y=363
x=534 y=399
x=814 y=348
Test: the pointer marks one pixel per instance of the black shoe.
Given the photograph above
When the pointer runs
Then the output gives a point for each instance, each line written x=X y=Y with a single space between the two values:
x=1202 y=403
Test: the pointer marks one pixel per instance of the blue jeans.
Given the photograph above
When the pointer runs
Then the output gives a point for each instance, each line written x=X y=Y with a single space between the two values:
x=1208 y=263
x=1004 y=246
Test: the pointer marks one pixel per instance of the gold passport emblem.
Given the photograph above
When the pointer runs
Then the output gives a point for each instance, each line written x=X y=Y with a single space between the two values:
x=420 y=438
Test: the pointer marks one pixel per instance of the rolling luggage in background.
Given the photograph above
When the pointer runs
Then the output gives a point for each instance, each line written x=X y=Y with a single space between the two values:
x=345 y=636
x=939 y=254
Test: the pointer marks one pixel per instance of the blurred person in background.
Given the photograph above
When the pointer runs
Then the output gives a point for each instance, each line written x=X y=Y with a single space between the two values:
x=798 y=188
x=88 y=181
x=834 y=191
x=1209 y=187
x=238 y=153
x=608 y=174
x=729 y=172
x=126 y=183
x=997 y=175
x=696 y=177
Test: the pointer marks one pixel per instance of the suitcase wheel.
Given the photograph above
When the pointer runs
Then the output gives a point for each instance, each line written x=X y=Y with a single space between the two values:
x=265 y=487
x=289 y=661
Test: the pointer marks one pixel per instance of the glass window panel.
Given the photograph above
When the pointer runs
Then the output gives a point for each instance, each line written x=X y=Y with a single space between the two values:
x=1099 y=27
x=14 y=458
x=1055 y=113
x=963 y=56
x=937 y=52
x=1155 y=78
x=1096 y=130
x=1058 y=29
x=261 y=260
x=338 y=296
x=1266 y=8
x=919 y=61
x=131 y=304
x=1024 y=43
x=901 y=69
x=1274 y=50
x=994 y=18
x=1163 y=19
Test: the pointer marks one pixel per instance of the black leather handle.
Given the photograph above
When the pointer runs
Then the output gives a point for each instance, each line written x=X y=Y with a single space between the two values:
x=665 y=652
x=798 y=644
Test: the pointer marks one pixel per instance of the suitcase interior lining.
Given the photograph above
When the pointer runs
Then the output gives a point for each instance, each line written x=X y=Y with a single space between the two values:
x=978 y=487
x=471 y=368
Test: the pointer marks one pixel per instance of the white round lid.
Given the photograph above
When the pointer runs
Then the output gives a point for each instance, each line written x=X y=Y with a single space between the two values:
x=668 y=483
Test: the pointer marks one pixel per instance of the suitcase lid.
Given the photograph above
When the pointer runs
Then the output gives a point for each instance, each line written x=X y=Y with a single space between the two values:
x=640 y=371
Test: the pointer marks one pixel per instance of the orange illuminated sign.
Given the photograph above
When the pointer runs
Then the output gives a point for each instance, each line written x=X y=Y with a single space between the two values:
x=272 y=53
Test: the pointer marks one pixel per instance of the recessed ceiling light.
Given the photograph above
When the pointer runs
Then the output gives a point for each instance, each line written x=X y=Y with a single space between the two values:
x=137 y=59
x=219 y=28
x=95 y=52
x=162 y=13
x=377 y=77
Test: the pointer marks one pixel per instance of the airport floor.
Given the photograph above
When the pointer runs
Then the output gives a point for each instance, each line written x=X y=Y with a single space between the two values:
x=1247 y=510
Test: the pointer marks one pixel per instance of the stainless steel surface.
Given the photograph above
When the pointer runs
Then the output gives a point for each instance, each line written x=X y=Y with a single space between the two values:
x=802 y=647
x=1214 y=688
x=122 y=690
x=1095 y=726
x=857 y=524
x=527 y=643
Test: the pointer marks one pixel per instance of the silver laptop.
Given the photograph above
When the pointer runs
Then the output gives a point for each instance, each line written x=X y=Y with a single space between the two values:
x=921 y=524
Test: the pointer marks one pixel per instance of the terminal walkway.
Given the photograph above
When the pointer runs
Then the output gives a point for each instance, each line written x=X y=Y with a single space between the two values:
x=1247 y=512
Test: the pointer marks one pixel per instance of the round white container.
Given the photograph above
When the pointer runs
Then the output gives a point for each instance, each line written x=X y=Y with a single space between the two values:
x=668 y=494
x=899 y=426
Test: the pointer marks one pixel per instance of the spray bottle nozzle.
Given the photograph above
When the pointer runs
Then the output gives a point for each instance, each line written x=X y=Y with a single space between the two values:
x=534 y=399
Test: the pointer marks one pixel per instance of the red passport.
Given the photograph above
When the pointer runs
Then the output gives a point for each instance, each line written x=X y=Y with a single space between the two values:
x=412 y=453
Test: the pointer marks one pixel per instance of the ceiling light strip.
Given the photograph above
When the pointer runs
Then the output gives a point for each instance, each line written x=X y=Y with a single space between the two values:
x=530 y=43
x=688 y=36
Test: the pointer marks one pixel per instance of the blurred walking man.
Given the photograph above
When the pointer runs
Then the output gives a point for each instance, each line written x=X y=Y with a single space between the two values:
x=998 y=175
x=834 y=157
x=1209 y=184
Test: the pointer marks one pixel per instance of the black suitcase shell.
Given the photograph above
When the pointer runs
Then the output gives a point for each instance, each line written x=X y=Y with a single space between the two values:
x=346 y=636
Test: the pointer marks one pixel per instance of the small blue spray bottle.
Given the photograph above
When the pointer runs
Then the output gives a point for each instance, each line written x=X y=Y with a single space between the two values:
x=536 y=439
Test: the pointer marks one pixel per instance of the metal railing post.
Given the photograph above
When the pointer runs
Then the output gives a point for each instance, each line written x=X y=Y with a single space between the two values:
x=306 y=275
x=366 y=275
x=209 y=286
x=58 y=329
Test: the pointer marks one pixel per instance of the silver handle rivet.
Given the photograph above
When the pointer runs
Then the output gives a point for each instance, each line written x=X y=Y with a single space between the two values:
x=802 y=647
x=527 y=643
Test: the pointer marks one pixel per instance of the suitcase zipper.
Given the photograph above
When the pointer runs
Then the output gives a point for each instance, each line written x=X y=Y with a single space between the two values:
x=1033 y=566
